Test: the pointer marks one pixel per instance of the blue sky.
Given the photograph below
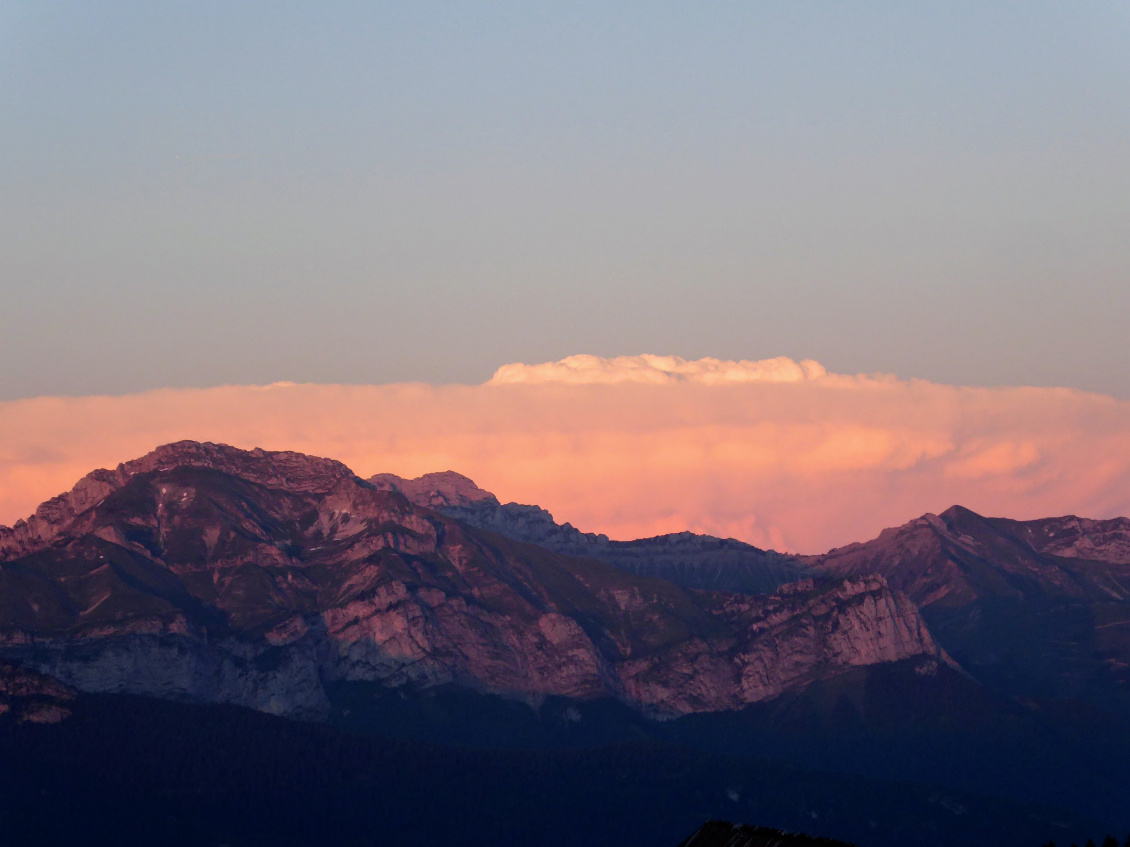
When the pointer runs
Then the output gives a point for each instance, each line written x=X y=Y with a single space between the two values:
x=207 y=193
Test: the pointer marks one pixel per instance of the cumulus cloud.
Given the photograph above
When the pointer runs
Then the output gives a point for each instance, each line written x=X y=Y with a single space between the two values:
x=778 y=453
x=587 y=370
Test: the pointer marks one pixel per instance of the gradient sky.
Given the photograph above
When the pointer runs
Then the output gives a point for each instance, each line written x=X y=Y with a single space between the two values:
x=197 y=194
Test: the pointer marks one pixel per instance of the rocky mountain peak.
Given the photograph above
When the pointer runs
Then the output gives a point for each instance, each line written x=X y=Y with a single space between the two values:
x=435 y=490
x=286 y=470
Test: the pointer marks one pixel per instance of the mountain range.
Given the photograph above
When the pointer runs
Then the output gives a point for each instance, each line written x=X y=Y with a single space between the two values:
x=214 y=575
x=986 y=657
x=1031 y=608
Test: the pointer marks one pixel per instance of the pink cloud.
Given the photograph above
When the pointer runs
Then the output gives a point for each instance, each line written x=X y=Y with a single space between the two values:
x=788 y=457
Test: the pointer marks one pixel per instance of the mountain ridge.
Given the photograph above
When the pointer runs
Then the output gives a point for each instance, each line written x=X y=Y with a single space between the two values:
x=690 y=560
x=210 y=573
x=1034 y=608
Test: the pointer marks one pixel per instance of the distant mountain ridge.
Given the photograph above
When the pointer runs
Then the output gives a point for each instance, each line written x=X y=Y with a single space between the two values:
x=687 y=559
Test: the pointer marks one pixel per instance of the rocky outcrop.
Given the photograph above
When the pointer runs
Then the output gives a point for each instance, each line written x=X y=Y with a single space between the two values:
x=690 y=560
x=1077 y=538
x=806 y=631
x=210 y=574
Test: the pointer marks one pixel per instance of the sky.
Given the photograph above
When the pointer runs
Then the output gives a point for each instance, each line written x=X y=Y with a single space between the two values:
x=204 y=194
x=785 y=271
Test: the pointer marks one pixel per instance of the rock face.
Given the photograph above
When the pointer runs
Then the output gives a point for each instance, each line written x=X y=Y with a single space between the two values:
x=210 y=574
x=806 y=631
x=685 y=558
x=725 y=834
x=1035 y=608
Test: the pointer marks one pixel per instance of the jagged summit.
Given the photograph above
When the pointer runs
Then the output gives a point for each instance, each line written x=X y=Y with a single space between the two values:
x=685 y=558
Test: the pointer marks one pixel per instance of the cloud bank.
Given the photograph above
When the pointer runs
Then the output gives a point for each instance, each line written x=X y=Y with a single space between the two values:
x=778 y=453
x=655 y=370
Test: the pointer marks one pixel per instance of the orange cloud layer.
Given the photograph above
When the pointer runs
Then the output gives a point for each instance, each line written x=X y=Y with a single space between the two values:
x=787 y=457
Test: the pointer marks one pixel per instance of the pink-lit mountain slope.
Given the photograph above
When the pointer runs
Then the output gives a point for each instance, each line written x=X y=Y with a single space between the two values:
x=206 y=573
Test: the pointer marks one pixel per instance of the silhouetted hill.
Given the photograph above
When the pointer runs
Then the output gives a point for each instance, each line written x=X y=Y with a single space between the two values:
x=127 y=771
x=726 y=834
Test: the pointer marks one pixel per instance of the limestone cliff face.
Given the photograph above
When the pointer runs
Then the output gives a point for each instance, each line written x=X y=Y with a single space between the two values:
x=211 y=574
x=805 y=631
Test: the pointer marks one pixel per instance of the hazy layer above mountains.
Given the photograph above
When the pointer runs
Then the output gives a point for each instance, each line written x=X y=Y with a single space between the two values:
x=775 y=453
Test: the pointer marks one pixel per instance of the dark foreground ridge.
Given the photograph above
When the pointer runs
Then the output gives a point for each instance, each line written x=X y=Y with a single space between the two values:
x=127 y=771
x=725 y=834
